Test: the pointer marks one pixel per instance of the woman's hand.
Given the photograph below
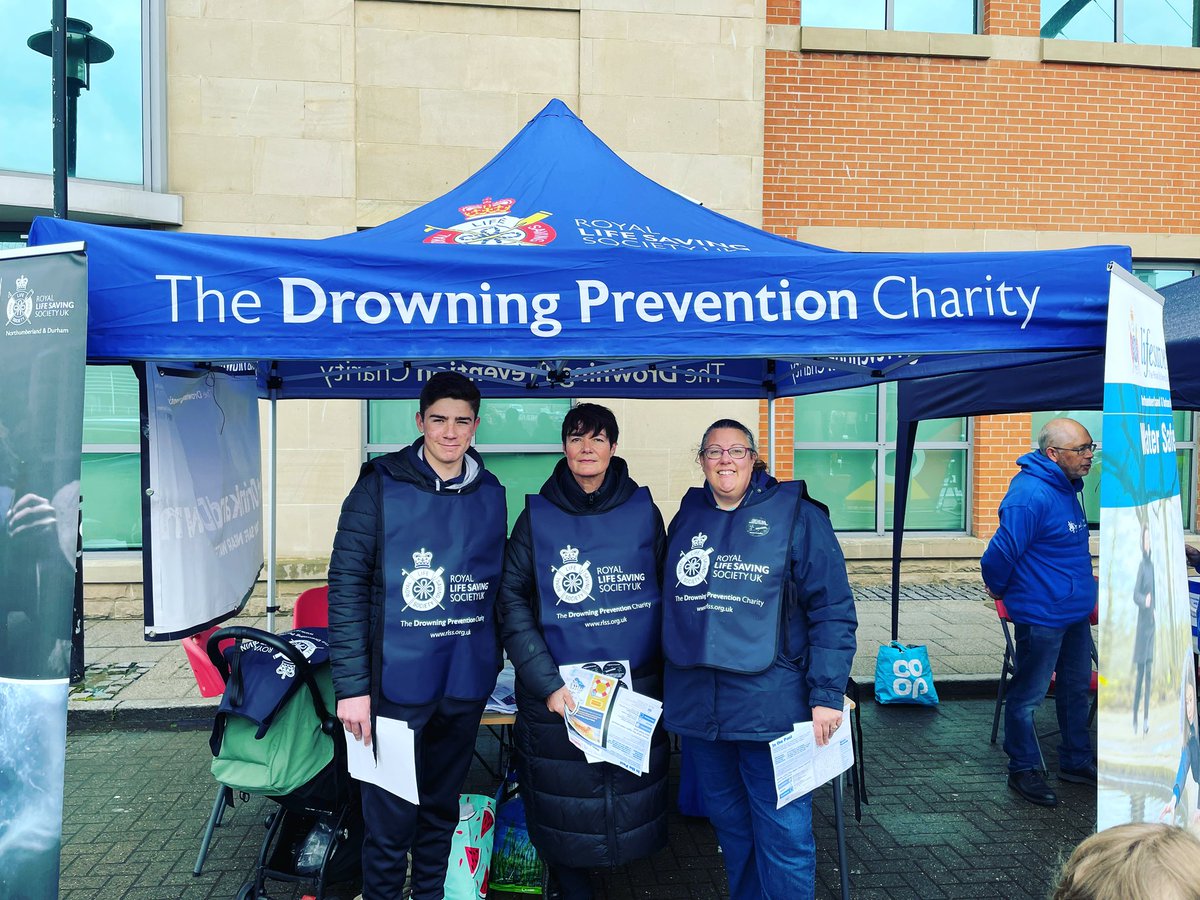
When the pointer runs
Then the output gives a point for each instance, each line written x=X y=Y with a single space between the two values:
x=560 y=702
x=825 y=723
x=1167 y=811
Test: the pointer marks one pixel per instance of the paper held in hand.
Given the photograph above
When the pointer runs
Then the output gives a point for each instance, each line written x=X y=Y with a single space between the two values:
x=801 y=766
x=389 y=762
x=609 y=721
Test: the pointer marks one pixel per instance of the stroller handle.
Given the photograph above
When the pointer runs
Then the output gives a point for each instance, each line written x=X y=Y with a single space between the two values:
x=329 y=723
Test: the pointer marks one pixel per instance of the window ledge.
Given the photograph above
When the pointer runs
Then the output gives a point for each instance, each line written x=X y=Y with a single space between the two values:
x=112 y=566
x=22 y=197
x=900 y=43
x=795 y=38
x=916 y=546
x=1150 y=56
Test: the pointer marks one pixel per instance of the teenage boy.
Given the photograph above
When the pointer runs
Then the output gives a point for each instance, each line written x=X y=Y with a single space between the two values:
x=412 y=584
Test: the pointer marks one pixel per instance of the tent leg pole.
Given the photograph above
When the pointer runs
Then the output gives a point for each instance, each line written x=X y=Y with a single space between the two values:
x=771 y=432
x=273 y=477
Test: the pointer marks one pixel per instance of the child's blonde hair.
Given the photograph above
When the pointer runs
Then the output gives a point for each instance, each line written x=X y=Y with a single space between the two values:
x=1137 y=861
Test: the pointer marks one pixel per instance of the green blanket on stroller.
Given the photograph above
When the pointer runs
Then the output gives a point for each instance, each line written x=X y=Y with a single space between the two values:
x=292 y=751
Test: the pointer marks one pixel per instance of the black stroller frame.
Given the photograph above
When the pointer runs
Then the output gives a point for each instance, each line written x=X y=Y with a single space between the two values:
x=329 y=795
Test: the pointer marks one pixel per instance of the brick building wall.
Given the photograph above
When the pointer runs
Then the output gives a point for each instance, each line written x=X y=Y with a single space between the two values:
x=999 y=440
x=979 y=142
x=785 y=431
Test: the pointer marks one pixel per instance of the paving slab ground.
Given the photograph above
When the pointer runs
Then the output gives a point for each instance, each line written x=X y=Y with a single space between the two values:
x=940 y=823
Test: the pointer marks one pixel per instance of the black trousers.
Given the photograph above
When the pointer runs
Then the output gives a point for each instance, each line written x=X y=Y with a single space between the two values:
x=443 y=740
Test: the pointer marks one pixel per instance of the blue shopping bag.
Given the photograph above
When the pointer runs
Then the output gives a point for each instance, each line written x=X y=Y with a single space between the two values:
x=903 y=675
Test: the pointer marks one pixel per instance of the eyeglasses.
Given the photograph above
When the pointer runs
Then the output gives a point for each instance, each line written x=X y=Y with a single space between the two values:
x=1084 y=448
x=737 y=451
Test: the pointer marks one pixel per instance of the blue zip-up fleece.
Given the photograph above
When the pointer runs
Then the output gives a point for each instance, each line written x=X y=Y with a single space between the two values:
x=1038 y=561
x=816 y=645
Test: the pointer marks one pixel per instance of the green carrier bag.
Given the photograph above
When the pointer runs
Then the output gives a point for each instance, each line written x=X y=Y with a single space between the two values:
x=292 y=751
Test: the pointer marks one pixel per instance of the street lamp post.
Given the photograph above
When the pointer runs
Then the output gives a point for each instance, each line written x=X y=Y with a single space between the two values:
x=73 y=50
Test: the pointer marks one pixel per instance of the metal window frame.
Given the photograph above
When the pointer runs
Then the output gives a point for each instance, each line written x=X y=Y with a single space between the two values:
x=882 y=447
x=889 y=16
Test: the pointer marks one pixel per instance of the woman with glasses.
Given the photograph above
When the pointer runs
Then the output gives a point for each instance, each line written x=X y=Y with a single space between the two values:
x=581 y=587
x=758 y=634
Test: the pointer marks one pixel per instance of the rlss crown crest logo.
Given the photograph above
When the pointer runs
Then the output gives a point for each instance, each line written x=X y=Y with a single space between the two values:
x=20 y=302
x=489 y=222
x=423 y=587
x=572 y=580
x=692 y=567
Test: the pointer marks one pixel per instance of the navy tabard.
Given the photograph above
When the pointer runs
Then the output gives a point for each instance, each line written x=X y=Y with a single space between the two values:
x=597 y=581
x=441 y=572
x=724 y=579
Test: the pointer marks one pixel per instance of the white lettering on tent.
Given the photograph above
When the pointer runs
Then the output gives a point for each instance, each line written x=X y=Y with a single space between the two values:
x=595 y=298
x=244 y=299
x=289 y=300
x=306 y=301
x=899 y=297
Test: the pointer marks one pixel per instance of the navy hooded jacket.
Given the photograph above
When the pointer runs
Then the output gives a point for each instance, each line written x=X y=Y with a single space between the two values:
x=816 y=649
x=1038 y=561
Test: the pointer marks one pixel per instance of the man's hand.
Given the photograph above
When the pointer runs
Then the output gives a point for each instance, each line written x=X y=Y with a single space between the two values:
x=355 y=715
x=28 y=513
x=991 y=593
x=825 y=723
x=560 y=701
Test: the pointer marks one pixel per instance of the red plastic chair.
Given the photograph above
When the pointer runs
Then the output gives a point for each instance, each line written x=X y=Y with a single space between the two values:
x=211 y=684
x=312 y=608
x=1006 y=668
x=208 y=679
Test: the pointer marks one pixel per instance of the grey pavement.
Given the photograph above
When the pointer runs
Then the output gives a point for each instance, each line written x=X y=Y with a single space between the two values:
x=940 y=823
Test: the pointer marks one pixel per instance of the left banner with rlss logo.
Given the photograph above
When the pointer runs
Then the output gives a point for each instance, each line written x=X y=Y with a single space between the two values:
x=43 y=300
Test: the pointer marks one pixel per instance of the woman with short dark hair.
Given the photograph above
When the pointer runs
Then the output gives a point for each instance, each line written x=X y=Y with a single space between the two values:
x=581 y=586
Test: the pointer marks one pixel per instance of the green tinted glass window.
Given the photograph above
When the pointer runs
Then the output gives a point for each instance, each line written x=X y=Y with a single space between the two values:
x=392 y=422
x=844 y=480
x=110 y=406
x=936 y=491
x=521 y=422
x=521 y=474
x=838 y=416
x=112 y=508
x=841 y=443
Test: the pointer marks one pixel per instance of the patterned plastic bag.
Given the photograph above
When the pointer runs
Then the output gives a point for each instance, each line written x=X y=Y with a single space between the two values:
x=471 y=848
x=515 y=864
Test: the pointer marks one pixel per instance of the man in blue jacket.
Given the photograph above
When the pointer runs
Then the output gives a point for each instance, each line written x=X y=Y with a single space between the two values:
x=1039 y=563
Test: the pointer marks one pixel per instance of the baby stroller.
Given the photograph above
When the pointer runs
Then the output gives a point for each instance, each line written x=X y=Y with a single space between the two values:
x=274 y=736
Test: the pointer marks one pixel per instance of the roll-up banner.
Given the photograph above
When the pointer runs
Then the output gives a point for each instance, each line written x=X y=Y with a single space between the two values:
x=1149 y=752
x=202 y=498
x=42 y=354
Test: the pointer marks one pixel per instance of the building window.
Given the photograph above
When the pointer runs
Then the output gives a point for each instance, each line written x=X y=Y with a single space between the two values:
x=118 y=135
x=520 y=440
x=844 y=439
x=1159 y=275
x=947 y=16
x=1164 y=22
x=112 y=475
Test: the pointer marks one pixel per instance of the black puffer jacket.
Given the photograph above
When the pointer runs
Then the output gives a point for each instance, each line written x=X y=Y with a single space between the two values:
x=579 y=814
x=356 y=589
